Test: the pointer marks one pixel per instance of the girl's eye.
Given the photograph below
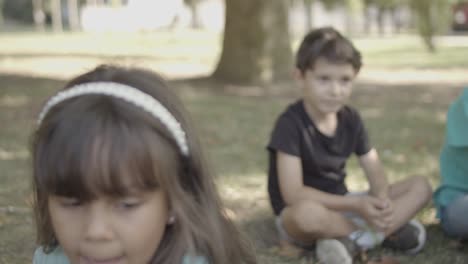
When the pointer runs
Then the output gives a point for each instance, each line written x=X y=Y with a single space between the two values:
x=129 y=203
x=70 y=202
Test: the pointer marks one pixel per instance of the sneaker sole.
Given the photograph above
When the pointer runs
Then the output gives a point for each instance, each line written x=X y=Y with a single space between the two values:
x=421 y=237
x=331 y=251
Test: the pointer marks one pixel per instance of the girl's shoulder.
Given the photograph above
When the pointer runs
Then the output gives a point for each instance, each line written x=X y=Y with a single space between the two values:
x=55 y=257
x=194 y=260
x=58 y=257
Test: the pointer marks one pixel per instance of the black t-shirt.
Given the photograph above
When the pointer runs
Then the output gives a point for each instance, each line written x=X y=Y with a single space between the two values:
x=323 y=157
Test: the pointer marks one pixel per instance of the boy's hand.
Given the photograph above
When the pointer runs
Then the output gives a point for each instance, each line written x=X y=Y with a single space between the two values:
x=377 y=212
x=387 y=213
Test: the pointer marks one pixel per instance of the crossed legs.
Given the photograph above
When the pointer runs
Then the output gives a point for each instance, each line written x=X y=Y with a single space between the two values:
x=309 y=221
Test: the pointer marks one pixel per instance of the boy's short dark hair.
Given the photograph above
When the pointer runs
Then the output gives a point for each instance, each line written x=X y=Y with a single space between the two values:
x=328 y=43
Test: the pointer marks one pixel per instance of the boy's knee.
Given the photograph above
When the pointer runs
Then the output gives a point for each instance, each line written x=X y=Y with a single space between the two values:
x=305 y=216
x=422 y=186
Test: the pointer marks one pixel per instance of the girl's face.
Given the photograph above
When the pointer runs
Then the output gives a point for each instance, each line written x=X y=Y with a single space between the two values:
x=109 y=230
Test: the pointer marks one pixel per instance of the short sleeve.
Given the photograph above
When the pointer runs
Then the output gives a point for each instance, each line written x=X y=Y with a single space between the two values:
x=363 y=145
x=55 y=257
x=285 y=136
x=194 y=260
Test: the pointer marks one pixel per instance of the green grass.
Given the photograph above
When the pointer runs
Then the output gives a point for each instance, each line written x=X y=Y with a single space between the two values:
x=406 y=124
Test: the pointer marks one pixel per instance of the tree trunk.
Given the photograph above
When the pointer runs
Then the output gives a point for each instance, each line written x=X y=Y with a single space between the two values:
x=308 y=9
x=256 y=45
x=38 y=14
x=396 y=21
x=73 y=15
x=1 y=13
x=425 y=23
x=56 y=8
x=244 y=42
x=279 y=40
x=367 y=17
x=193 y=5
x=380 y=20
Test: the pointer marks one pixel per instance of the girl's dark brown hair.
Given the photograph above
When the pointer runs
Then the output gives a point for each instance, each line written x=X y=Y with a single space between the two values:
x=88 y=145
x=327 y=43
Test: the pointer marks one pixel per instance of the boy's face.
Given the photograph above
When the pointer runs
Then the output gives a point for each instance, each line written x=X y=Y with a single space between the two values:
x=327 y=86
x=111 y=230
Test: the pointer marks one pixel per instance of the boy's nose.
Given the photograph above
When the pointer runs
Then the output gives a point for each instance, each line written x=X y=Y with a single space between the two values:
x=336 y=88
x=98 y=226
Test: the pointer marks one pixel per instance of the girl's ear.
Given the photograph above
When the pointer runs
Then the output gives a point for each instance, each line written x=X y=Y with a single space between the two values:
x=171 y=219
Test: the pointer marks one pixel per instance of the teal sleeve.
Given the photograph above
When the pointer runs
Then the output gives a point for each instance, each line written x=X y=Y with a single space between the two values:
x=55 y=257
x=194 y=260
x=58 y=257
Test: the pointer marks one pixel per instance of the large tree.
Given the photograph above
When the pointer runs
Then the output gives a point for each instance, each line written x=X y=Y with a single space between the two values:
x=256 y=44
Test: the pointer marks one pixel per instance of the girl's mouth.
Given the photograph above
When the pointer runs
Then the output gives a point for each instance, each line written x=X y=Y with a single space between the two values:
x=106 y=260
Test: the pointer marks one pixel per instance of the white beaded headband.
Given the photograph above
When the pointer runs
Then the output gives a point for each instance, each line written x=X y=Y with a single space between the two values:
x=126 y=93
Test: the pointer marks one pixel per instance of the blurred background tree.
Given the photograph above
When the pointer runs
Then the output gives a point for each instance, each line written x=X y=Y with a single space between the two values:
x=194 y=6
x=1 y=12
x=243 y=42
x=18 y=10
x=256 y=44
x=432 y=16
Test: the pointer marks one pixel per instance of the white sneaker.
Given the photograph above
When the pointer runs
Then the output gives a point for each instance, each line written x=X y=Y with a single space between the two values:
x=336 y=251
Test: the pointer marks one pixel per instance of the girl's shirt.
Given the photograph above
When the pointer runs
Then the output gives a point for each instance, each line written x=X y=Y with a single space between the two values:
x=454 y=154
x=58 y=257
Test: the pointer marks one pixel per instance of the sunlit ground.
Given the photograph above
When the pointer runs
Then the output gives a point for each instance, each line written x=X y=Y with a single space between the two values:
x=402 y=92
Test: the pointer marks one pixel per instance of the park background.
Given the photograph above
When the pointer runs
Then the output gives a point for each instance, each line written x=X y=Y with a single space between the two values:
x=231 y=63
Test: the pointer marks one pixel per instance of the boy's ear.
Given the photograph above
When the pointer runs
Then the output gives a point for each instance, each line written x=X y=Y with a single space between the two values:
x=298 y=75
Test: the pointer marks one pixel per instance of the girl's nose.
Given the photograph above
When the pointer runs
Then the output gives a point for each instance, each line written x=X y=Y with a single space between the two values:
x=98 y=226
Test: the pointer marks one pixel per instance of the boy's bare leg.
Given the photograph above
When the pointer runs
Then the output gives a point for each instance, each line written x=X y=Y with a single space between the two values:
x=308 y=221
x=409 y=197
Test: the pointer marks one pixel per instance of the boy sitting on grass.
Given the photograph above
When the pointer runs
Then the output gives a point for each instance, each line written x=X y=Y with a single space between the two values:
x=309 y=146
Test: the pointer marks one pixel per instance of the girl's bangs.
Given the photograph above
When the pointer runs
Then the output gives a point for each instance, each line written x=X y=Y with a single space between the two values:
x=93 y=154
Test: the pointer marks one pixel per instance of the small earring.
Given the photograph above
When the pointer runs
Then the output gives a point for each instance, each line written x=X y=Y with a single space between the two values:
x=171 y=220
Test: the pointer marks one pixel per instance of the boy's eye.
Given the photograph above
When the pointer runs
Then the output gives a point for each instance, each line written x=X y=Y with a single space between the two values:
x=345 y=79
x=323 y=78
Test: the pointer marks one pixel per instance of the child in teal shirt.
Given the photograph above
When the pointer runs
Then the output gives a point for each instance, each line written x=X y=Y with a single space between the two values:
x=451 y=197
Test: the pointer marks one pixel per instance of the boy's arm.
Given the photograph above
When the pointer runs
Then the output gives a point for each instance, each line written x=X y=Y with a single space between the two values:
x=293 y=190
x=374 y=172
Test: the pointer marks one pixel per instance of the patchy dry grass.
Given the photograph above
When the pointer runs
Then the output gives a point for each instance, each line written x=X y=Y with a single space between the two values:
x=405 y=119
